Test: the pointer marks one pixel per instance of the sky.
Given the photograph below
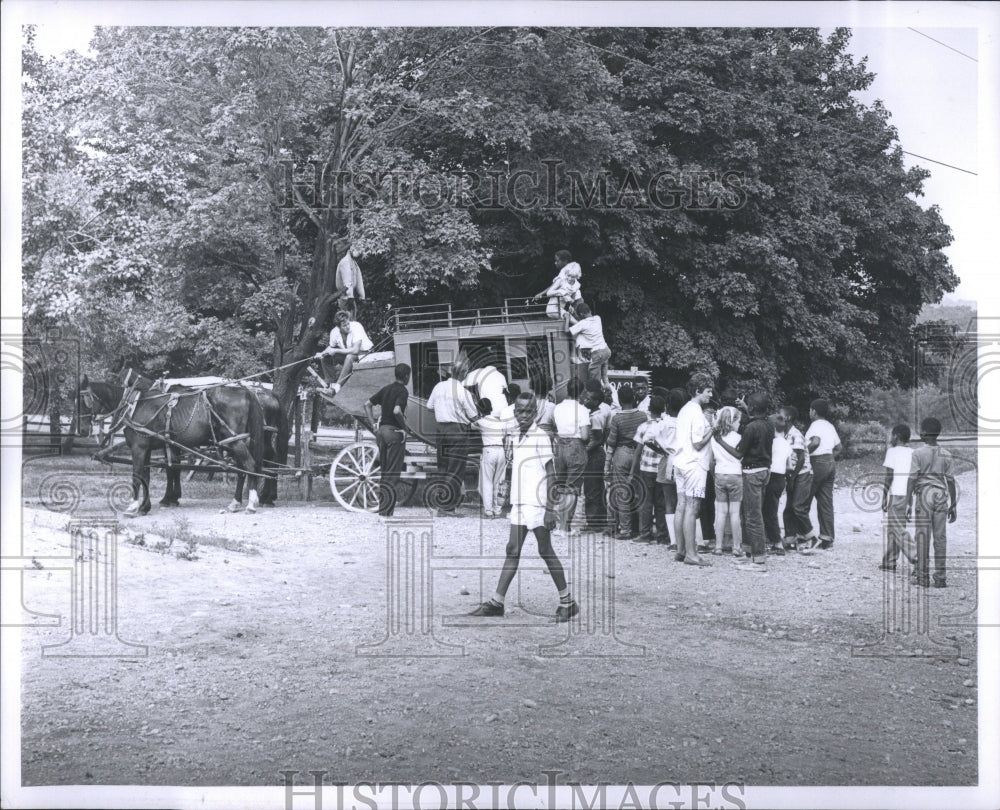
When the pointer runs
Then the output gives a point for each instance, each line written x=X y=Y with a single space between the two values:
x=931 y=88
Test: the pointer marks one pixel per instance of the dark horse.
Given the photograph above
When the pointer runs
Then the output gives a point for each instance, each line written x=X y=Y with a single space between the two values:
x=229 y=417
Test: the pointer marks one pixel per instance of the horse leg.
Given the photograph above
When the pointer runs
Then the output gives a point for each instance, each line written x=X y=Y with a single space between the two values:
x=237 y=503
x=244 y=460
x=173 y=494
x=146 y=505
x=140 y=485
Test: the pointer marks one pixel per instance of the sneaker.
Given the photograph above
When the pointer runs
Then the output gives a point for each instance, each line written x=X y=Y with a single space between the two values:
x=679 y=557
x=672 y=547
x=752 y=567
x=777 y=551
x=488 y=609
x=566 y=612
x=940 y=583
x=703 y=549
x=826 y=545
x=335 y=387
x=884 y=567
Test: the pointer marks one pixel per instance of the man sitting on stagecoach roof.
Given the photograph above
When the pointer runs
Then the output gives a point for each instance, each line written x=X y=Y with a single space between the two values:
x=348 y=340
x=349 y=277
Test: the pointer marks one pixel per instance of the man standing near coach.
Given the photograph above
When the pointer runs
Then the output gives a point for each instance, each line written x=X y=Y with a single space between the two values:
x=391 y=435
x=454 y=412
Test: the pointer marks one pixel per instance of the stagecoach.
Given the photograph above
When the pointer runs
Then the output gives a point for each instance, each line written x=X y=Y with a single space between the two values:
x=518 y=338
x=525 y=345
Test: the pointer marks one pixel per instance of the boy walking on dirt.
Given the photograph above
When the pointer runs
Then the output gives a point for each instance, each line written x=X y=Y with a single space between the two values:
x=898 y=459
x=532 y=509
x=933 y=483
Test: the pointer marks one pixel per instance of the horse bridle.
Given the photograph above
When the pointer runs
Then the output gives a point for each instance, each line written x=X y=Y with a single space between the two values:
x=88 y=398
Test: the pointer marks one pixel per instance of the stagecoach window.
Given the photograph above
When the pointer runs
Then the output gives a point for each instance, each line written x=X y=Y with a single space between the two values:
x=425 y=360
x=539 y=365
x=486 y=352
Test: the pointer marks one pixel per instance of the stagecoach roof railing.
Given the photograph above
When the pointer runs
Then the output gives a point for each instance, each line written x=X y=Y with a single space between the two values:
x=425 y=316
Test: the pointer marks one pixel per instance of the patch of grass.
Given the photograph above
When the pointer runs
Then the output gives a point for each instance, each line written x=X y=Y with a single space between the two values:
x=184 y=542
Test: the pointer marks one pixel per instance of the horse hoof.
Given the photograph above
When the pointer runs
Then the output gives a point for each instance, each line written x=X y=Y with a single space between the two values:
x=235 y=506
x=169 y=503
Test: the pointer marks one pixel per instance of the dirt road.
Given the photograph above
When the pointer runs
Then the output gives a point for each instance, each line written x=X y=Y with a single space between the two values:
x=253 y=664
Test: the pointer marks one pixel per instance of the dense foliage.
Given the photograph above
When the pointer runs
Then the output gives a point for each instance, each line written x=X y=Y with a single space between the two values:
x=161 y=229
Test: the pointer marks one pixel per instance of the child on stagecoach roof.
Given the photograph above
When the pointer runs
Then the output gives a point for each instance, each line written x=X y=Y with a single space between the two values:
x=564 y=291
x=348 y=340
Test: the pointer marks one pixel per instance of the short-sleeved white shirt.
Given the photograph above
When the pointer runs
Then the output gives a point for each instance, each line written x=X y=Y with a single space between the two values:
x=798 y=442
x=691 y=427
x=781 y=449
x=494 y=429
x=491 y=384
x=529 y=479
x=898 y=459
x=355 y=332
x=571 y=417
x=452 y=403
x=589 y=333
x=725 y=462
x=827 y=435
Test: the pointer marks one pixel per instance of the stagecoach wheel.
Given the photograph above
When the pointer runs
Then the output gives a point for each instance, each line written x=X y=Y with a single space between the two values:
x=354 y=477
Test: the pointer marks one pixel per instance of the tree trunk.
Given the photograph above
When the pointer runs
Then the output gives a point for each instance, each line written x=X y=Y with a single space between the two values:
x=286 y=380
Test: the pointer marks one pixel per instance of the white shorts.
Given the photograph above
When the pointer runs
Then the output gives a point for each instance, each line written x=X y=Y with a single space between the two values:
x=691 y=481
x=528 y=515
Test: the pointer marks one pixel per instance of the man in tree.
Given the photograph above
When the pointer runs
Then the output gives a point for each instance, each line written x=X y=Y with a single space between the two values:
x=349 y=278
x=391 y=436
x=348 y=340
x=533 y=509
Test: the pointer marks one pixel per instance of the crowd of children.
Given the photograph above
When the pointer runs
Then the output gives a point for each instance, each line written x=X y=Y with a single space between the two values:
x=655 y=468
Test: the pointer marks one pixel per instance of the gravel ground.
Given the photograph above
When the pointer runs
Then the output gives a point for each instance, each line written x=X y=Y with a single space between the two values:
x=253 y=625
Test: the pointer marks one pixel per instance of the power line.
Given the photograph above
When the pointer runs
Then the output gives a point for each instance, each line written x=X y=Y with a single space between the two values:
x=747 y=99
x=943 y=44
x=940 y=163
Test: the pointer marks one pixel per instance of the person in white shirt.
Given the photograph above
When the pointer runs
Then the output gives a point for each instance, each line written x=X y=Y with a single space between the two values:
x=454 y=412
x=532 y=509
x=495 y=433
x=564 y=292
x=641 y=390
x=799 y=532
x=781 y=450
x=823 y=445
x=728 y=481
x=589 y=333
x=897 y=464
x=691 y=467
x=572 y=424
x=487 y=382
x=349 y=278
x=348 y=340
